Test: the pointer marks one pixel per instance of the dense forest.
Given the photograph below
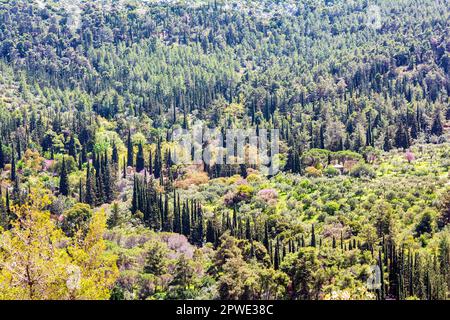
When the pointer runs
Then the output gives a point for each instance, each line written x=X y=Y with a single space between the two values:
x=93 y=204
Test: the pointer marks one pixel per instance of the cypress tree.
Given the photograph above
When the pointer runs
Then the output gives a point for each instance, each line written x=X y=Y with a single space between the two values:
x=19 y=150
x=115 y=154
x=84 y=157
x=140 y=162
x=90 y=193
x=266 y=236
x=276 y=259
x=234 y=227
x=380 y=264
x=201 y=225
x=80 y=163
x=13 y=166
x=166 y=225
x=176 y=215
x=124 y=171
x=130 y=154
x=186 y=221
x=2 y=156
x=72 y=147
x=158 y=161
x=8 y=203
x=313 y=237
x=99 y=185
x=134 y=201
x=64 y=180
x=80 y=192
x=437 y=127
x=108 y=182
x=150 y=162
x=210 y=233
x=248 y=231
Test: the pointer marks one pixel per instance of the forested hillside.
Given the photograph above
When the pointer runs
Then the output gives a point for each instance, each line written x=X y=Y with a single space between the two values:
x=93 y=204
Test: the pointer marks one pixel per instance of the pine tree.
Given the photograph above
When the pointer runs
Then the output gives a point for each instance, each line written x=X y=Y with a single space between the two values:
x=64 y=179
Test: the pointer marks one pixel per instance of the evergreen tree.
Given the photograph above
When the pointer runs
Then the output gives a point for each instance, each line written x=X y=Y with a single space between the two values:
x=72 y=147
x=140 y=161
x=313 y=237
x=437 y=127
x=90 y=186
x=130 y=154
x=13 y=166
x=115 y=154
x=176 y=214
x=186 y=220
x=64 y=179
x=2 y=156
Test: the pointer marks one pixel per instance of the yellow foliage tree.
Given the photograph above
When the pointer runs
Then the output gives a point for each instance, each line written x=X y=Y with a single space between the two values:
x=38 y=262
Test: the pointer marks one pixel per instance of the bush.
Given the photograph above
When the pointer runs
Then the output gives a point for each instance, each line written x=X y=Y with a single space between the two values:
x=331 y=171
x=76 y=219
x=313 y=172
x=331 y=207
x=362 y=170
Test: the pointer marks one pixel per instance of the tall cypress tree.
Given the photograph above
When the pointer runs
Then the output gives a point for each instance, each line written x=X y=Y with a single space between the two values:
x=90 y=188
x=186 y=220
x=166 y=225
x=150 y=162
x=72 y=147
x=124 y=170
x=80 y=192
x=134 y=201
x=248 y=231
x=2 y=156
x=176 y=214
x=380 y=265
x=266 y=235
x=64 y=179
x=130 y=154
x=115 y=154
x=276 y=259
x=140 y=161
x=13 y=166
x=437 y=127
x=108 y=182
x=313 y=236
x=210 y=232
